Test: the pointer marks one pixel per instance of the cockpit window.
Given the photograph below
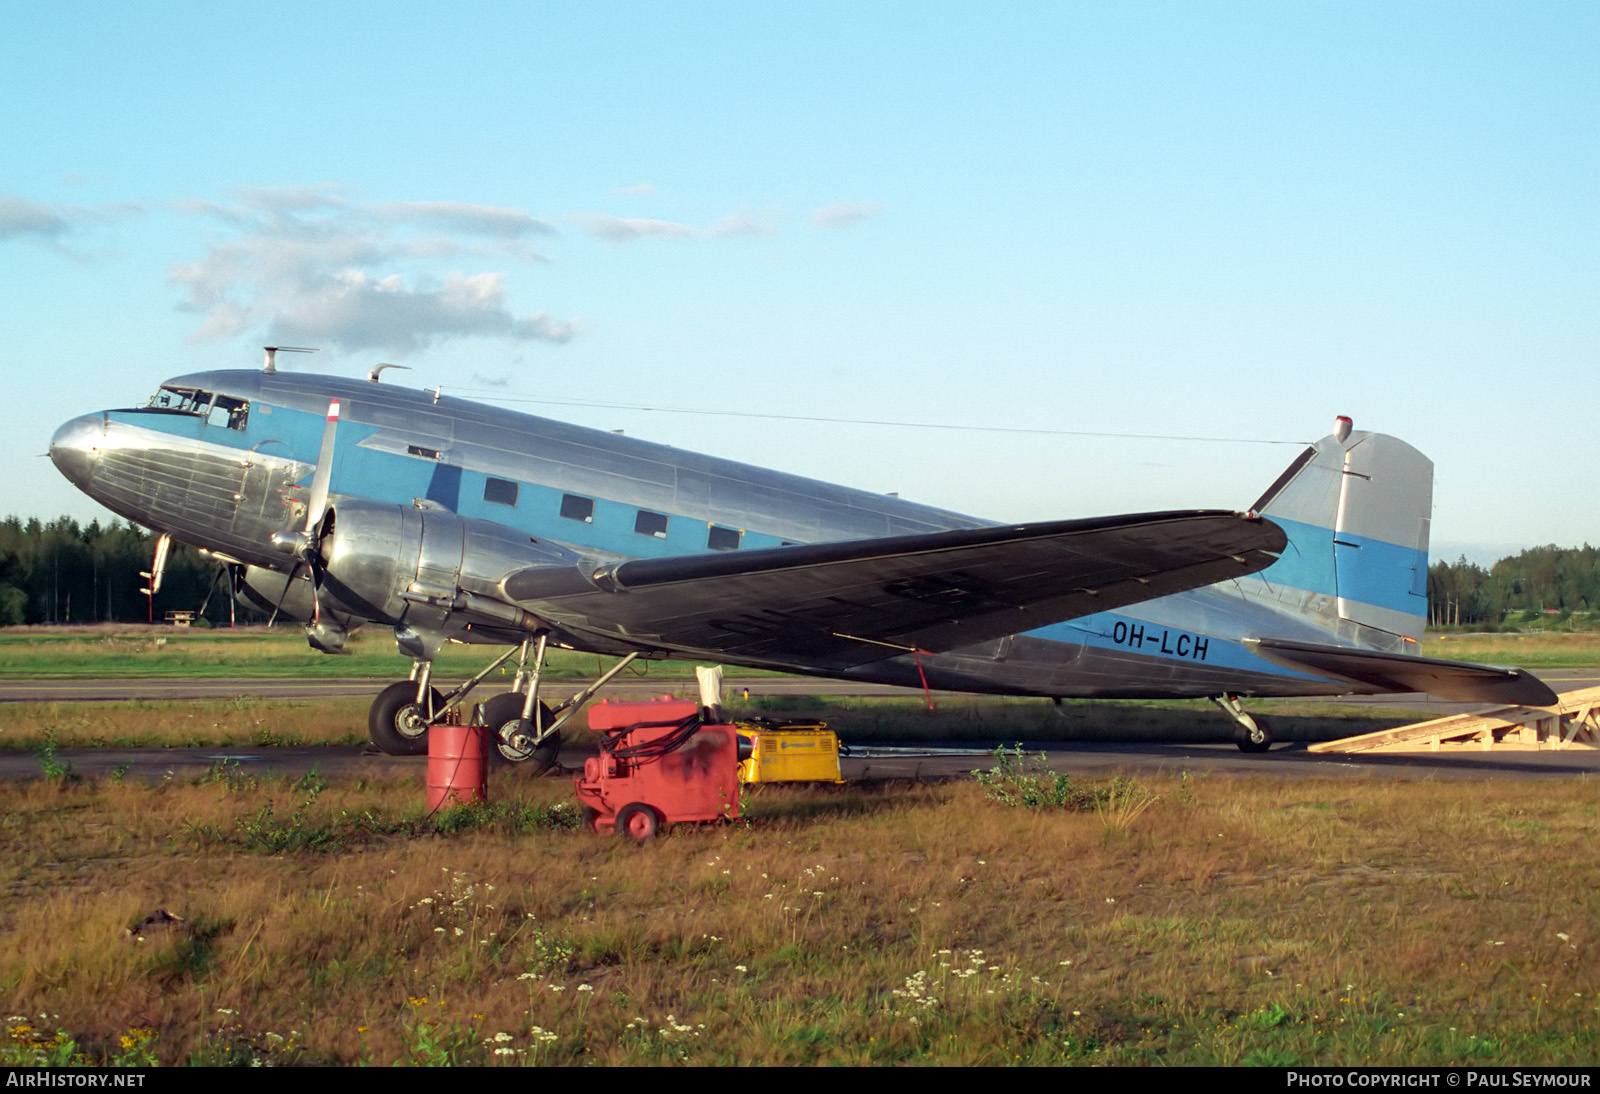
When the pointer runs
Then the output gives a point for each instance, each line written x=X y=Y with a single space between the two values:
x=181 y=400
x=218 y=410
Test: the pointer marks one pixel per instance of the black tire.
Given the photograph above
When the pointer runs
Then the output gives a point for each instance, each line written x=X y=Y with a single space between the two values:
x=502 y=717
x=1259 y=741
x=638 y=822
x=396 y=724
x=590 y=819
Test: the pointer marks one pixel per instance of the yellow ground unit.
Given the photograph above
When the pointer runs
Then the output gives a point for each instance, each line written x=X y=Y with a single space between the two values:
x=790 y=753
x=1572 y=723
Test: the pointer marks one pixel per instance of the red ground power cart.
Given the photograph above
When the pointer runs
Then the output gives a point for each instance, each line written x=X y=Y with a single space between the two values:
x=659 y=764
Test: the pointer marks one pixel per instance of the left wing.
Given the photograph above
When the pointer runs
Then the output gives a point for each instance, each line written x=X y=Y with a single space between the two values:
x=836 y=605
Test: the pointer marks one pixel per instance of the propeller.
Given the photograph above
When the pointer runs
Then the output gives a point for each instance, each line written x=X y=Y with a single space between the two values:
x=205 y=602
x=308 y=542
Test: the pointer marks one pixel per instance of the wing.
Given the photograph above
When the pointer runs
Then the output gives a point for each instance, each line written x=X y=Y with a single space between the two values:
x=831 y=606
x=1458 y=680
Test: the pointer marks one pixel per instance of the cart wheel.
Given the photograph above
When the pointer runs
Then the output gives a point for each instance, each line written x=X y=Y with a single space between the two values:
x=590 y=819
x=638 y=822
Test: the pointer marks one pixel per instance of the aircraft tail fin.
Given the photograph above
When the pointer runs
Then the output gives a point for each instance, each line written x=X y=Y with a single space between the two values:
x=1356 y=508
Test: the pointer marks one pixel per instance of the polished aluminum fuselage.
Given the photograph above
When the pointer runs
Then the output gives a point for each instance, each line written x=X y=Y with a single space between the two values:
x=229 y=483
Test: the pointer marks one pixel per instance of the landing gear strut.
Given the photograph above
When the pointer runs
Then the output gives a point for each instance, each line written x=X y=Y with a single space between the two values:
x=521 y=728
x=1251 y=733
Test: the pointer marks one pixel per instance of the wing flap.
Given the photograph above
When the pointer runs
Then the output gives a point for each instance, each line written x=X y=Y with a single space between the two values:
x=1461 y=681
x=836 y=605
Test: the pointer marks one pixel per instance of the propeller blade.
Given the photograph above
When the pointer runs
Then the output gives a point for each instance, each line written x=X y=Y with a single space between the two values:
x=211 y=588
x=287 y=585
x=316 y=509
x=316 y=593
x=318 y=502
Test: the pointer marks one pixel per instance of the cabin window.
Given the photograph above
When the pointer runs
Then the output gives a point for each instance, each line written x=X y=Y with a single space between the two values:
x=651 y=524
x=575 y=508
x=500 y=491
x=723 y=539
x=232 y=413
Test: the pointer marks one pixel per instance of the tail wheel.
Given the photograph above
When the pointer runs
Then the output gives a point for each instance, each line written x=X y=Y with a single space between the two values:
x=511 y=738
x=397 y=723
x=1255 y=738
x=638 y=822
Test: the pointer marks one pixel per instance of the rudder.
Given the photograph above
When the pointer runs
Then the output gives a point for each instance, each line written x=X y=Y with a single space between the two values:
x=1356 y=508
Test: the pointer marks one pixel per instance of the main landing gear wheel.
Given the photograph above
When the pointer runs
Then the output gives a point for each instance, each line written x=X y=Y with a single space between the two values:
x=638 y=822
x=510 y=738
x=397 y=724
x=1255 y=738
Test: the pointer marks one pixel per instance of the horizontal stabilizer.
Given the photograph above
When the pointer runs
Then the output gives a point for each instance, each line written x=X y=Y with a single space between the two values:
x=1458 y=680
x=836 y=605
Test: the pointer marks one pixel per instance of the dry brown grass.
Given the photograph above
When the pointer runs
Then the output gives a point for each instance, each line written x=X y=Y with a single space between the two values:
x=1230 y=921
x=184 y=723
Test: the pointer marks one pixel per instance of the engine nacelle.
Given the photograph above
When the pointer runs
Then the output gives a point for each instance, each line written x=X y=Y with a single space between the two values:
x=264 y=590
x=425 y=568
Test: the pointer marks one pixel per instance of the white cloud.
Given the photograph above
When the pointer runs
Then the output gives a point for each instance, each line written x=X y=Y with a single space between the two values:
x=19 y=219
x=615 y=229
x=360 y=312
x=309 y=265
x=459 y=216
x=842 y=214
x=627 y=229
x=51 y=226
x=741 y=224
x=292 y=199
x=638 y=189
x=542 y=328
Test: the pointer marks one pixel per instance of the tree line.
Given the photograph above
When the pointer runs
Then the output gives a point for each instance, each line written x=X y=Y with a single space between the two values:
x=1542 y=582
x=64 y=572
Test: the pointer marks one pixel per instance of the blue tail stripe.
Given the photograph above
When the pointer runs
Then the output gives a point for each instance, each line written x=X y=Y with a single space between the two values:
x=1386 y=575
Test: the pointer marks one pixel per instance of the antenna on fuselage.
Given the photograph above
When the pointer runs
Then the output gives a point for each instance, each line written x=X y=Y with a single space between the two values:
x=377 y=370
x=270 y=365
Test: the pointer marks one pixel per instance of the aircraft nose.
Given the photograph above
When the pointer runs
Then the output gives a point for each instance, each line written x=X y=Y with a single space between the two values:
x=74 y=448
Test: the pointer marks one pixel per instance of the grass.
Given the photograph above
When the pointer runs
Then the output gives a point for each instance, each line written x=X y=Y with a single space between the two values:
x=128 y=651
x=45 y=727
x=1532 y=650
x=1225 y=921
x=1009 y=919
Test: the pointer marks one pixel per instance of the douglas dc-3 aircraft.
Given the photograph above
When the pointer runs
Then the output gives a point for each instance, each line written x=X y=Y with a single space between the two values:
x=341 y=502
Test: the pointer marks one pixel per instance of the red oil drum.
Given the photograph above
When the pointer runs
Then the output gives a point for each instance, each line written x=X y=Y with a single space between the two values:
x=457 y=767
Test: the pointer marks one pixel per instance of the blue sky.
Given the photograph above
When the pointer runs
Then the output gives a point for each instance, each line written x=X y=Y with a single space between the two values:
x=1221 y=220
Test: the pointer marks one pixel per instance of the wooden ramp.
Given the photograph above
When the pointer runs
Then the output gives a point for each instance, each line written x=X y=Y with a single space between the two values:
x=1572 y=723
